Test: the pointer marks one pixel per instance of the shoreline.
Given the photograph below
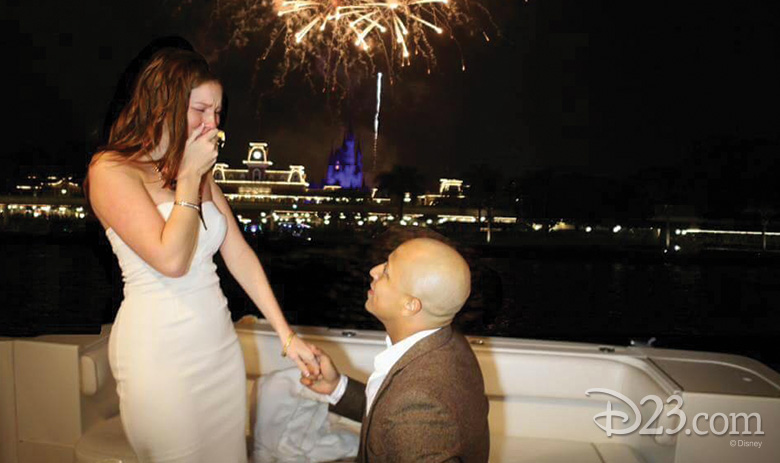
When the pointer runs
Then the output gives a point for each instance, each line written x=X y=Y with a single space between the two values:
x=524 y=246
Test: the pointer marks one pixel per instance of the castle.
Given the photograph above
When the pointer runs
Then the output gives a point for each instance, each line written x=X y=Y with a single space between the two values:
x=345 y=165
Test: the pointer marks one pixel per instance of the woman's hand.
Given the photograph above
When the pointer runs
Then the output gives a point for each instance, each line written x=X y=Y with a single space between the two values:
x=200 y=153
x=304 y=357
x=327 y=382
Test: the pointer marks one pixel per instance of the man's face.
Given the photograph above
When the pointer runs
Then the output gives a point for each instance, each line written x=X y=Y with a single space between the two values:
x=385 y=298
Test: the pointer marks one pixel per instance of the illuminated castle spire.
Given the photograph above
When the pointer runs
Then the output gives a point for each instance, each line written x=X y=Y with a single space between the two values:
x=345 y=165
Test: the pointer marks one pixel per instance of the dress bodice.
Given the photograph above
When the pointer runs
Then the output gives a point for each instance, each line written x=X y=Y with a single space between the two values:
x=141 y=278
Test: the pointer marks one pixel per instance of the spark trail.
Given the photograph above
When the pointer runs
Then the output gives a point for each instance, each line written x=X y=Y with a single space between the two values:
x=376 y=116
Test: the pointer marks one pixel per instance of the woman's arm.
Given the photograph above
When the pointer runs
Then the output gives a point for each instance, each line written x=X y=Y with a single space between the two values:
x=119 y=198
x=243 y=264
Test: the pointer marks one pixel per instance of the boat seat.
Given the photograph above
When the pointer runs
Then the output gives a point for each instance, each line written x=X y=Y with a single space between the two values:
x=508 y=449
x=107 y=442
x=103 y=442
x=505 y=449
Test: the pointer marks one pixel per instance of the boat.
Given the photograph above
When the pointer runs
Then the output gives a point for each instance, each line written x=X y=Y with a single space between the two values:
x=550 y=401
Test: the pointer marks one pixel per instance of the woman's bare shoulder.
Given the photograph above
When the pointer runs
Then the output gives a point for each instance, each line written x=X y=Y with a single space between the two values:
x=104 y=158
x=111 y=163
x=111 y=176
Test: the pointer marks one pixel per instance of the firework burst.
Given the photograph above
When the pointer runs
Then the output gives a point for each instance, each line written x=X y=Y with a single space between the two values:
x=356 y=19
x=341 y=40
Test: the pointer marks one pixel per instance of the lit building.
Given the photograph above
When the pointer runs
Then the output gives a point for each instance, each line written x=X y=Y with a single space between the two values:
x=51 y=186
x=345 y=165
x=449 y=189
x=257 y=179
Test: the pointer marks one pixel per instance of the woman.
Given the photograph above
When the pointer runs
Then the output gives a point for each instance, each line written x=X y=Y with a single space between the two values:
x=173 y=349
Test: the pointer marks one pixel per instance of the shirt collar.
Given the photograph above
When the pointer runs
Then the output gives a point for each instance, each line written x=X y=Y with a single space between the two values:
x=387 y=358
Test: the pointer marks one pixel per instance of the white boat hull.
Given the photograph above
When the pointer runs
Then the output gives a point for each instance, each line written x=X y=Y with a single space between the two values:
x=58 y=401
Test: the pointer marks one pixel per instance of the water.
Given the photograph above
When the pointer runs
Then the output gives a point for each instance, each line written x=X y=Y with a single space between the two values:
x=73 y=284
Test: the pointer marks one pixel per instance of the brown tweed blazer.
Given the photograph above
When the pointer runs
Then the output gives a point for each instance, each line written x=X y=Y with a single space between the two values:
x=431 y=407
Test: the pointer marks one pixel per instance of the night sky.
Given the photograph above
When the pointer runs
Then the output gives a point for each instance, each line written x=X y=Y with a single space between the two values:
x=602 y=88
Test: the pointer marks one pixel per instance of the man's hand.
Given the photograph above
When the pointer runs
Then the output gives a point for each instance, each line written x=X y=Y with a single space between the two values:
x=300 y=352
x=328 y=379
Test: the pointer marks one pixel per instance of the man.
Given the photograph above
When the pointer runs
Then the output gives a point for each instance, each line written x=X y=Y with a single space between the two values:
x=425 y=400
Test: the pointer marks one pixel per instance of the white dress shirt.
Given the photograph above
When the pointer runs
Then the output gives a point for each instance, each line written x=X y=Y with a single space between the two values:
x=383 y=362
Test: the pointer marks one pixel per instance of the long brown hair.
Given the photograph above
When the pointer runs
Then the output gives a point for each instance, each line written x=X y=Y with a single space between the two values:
x=160 y=101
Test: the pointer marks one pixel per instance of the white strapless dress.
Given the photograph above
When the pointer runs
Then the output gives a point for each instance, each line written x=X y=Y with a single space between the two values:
x=176 y=357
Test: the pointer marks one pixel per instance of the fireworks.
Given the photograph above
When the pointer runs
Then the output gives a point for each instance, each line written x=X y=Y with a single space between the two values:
x=340 y=40
x=359 y=18
x=354 y=32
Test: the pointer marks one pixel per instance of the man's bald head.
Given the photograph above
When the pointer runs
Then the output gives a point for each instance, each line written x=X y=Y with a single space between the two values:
x=436 y=274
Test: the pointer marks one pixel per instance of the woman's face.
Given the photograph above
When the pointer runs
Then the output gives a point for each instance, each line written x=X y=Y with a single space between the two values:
x=205 y=106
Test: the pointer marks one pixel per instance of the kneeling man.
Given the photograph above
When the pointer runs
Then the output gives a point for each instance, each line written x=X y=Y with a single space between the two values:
x=425 y=400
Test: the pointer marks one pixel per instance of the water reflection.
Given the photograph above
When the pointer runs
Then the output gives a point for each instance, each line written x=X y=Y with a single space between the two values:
x=726 y=306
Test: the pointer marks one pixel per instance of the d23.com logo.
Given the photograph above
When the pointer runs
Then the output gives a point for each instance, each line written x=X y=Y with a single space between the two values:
x=718 y=422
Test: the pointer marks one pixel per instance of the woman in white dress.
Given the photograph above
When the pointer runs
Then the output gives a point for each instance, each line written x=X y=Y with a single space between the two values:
x=173 y=349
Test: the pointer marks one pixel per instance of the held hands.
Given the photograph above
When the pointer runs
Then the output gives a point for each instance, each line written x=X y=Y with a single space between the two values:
x=326 y=382
x=200 y=153
x=303 y=356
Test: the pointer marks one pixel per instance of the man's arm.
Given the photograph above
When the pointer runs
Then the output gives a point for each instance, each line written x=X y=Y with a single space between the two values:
x=418 y=429
x=349 y=401
x=353 y=402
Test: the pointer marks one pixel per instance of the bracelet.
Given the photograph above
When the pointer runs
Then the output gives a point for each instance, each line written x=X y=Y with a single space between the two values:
x=287 y=344
x=186 y=204
x=193 y=206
